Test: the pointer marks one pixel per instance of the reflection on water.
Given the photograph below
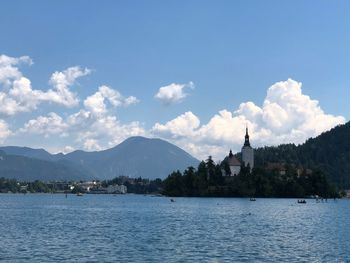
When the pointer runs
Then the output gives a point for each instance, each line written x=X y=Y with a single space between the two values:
x=136 y=228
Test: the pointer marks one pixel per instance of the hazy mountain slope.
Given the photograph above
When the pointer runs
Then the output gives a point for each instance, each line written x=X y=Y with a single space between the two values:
x=29 y=169
x=136 y=156
x=32 y=153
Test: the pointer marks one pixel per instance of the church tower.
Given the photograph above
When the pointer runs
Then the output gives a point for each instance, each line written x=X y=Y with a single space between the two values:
x=247 y=151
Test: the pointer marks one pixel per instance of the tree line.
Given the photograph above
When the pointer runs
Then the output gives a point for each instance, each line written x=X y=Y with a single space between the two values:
x=13 y=186
x=209 y=180
x=328 y=152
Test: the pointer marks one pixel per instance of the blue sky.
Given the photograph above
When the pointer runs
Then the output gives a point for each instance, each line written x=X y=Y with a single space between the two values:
x=232 y=52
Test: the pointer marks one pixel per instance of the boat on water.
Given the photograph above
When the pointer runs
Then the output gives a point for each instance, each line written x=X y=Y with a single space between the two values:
x=172 y=200
x=252 y=199
x=79 y=194
x=301 y=201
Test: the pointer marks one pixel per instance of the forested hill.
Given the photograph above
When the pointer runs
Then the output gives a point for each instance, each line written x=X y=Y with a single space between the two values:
x=329 y=152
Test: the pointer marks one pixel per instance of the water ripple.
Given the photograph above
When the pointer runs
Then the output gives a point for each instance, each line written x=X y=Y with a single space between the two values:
x=131 y=228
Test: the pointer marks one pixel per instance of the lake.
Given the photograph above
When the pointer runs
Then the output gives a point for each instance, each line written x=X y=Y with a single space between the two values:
x=137 y=228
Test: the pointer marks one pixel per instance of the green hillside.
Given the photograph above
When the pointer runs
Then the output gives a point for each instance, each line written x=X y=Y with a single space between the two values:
x=329 y=152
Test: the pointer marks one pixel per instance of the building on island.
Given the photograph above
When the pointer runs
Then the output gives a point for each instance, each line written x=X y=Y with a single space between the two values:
x=234 y=164
x=247 y=158
x=247 y=152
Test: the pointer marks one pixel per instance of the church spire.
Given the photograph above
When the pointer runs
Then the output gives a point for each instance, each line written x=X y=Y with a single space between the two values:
x=246 y=138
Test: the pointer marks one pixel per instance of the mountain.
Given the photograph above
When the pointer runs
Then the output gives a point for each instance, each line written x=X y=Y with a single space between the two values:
x=135 y=157
x=31 y=153
x=29 y=169
x=329 y=152
x=156 y=158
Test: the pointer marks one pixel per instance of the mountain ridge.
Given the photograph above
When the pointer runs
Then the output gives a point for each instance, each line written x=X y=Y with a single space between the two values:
x=30 y=169
x=138 y=156
x=130 y=158
x=135 y=157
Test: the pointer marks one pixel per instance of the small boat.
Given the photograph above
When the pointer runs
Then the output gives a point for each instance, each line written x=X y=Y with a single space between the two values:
x=301 y=202
x=172 y=200
x=79 y=194
x=252 y=199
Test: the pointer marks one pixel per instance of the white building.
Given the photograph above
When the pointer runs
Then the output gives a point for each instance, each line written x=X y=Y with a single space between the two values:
x=247 y=152
x=117 y=189
x=88 y=185
x=234 y=164
x=247 y=158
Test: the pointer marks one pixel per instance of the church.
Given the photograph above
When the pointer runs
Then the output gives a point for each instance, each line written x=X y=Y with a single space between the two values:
x=247 y=157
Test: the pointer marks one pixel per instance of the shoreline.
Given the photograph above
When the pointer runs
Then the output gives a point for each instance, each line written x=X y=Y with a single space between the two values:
x=192 y=197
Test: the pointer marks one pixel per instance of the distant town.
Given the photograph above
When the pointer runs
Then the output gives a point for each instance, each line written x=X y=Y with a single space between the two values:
x=120 y=185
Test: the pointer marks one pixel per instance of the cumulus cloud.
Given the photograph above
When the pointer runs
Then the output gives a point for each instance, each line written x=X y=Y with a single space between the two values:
x=46 y=125
x=91 y=145
x=184 y=125
x=9 y=68
x=91 y=128
x=17 y=94
x=173 y=93
x=96 y=103
x=104 y=130
x=4 y=131
x=286 y=116
x=61 y=81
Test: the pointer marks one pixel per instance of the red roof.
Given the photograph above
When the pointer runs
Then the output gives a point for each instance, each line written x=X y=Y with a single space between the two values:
x=232 y=161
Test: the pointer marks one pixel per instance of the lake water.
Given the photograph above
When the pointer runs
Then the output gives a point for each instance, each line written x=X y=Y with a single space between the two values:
x=136 y=228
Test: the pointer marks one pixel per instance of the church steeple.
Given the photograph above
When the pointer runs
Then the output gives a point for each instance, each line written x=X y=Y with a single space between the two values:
x=246 y=138
x=247 y=152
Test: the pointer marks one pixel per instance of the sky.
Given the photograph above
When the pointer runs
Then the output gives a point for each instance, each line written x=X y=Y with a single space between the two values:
x=89 y=74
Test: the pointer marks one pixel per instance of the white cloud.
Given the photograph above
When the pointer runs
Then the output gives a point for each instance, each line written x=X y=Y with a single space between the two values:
x=19 y=98
x=9 y=70
x=287 y=115
x=173 y=93
x=67 y=149
x=91 y=128
x=17 y=94
x=81 y=119
x=96 y=103
x=46 y=125
x=91 y=145
x=4 y=131
x=184 y=125
x=61 y=81
x=106 y=131
x=9 y=61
